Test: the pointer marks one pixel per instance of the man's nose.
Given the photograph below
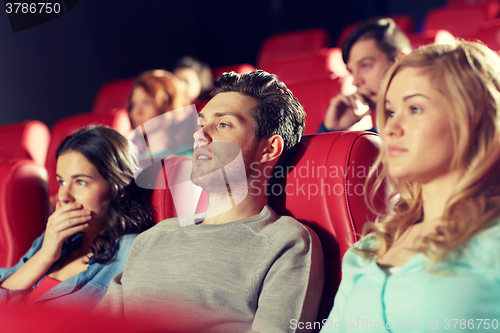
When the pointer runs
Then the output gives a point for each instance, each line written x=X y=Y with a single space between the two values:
x=201 y=138
x=357 y=79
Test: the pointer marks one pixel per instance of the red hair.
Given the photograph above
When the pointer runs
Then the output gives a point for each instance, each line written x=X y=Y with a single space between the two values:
x=160 y=85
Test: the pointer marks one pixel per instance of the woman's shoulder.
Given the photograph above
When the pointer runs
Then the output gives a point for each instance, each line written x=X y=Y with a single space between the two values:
x=353 y=255
x=492 y=230
x=125 y=241
x=488 y=238
x=366 y=242
x=123 y=245
x=484 y=246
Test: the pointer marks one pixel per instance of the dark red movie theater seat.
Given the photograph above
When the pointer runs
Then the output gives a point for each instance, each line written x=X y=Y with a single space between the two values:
x=461 y=21
x=324 y=178
x=173 y=170
x=291 y=44
x=113 y=95
x=238 y=68
x=24 y=208
x=314 y=79
x=491 y=7
x=489 y=34
x=28 y=139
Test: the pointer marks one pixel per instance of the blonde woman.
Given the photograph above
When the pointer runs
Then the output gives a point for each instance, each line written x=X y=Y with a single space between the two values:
x=433 y=262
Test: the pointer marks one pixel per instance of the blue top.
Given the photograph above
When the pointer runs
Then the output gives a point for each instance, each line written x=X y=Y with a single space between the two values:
x=454 y=297
x=84 y=290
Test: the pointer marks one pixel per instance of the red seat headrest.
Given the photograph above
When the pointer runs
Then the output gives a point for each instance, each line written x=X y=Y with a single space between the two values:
x=24 y=207
x=28 y=139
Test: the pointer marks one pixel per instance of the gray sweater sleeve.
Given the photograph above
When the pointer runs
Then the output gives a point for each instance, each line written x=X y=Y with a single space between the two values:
x=112 y=303
x=293 y=286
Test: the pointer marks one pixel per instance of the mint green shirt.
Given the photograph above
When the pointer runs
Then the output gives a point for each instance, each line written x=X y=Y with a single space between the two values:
x=458 y=296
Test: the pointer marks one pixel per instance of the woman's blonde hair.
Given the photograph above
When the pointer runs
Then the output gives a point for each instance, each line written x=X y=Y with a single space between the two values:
x=467 y=74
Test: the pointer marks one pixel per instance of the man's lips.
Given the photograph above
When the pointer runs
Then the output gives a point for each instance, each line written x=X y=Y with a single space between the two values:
x=202 y=155
x=394 y=150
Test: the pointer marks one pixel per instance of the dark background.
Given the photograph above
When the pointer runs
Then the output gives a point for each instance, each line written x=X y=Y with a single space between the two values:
x=55 y=69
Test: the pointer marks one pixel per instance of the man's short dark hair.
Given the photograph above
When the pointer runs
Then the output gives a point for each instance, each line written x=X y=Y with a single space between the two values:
x=278 y=111
x=388 y=37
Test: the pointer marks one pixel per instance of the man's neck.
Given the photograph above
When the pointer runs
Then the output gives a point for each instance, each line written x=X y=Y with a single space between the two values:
x=250 y=206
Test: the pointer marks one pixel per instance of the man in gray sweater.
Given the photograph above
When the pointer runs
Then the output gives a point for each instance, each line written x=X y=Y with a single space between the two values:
x=239 y=267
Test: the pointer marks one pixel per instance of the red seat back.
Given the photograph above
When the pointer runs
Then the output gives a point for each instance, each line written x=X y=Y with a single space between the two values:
x=24 y=207
x=113 y=95
x=461 y=21
x=291 y=44
x=314 y=79
x=170 y=201
x=492 y=7
x=239 y=68
x=324 y=187
x=315 y=97
x=117 y=119
x=28 y=139
x=430 y=37
x=326 y=63
x=489 y=34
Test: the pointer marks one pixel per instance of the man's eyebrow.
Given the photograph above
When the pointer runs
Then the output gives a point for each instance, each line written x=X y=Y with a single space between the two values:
x=222 y=114
x=237 y=116
x=365 y=58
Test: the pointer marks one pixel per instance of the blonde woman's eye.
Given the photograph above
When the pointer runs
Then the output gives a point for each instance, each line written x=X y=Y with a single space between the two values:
x=390 y=114
x=415 y=110
x=223 y=125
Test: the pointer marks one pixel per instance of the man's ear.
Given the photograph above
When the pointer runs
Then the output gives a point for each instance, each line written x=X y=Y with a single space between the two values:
x=271 y=148
x=401 y=54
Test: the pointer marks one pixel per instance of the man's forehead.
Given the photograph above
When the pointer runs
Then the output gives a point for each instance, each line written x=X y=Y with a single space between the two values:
x=363 y=49
x=231 y=103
